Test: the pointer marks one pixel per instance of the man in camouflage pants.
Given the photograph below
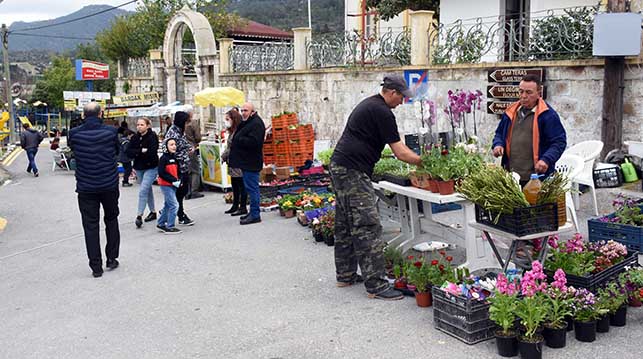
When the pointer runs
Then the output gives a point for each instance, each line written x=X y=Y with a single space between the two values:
x=358 y=230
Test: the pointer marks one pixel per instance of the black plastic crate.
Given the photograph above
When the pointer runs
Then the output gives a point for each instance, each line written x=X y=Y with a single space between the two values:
x=268 y=191
x=597 y=280
x=402 y=181
x=630 y=236
x=460 y=321
x=463 y=335
x=473 y=310
x=608 y=177
x=451 y=309
x=523 y=221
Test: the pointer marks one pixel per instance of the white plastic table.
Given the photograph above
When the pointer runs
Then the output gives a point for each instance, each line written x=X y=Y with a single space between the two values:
x=479 y=253
x=487 y=231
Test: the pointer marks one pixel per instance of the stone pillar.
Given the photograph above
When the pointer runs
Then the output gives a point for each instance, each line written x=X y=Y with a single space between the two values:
x=302 y=36
x=170 y=81
x=157 y=71
x=420 y=22
x=225 y=45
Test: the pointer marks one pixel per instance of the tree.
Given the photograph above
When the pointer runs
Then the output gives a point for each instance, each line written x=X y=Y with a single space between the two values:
x=58 y=77
x=122 y=40
x=388 y=9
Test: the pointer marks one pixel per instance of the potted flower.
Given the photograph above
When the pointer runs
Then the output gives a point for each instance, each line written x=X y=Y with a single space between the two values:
x=418 y=274
x=555 y=332
x=503 y=312
x=617 y=303
x=428 y=178
x=392 y=257
x=400 y=281
x=317 y=230
x=602 y=306
x=585 y=315
x=440 y=270
x=532 y=311
x=632 y=279
x=288 y=208
x=328 y=227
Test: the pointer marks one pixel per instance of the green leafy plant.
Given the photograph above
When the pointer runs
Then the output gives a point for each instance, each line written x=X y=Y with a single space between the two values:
x=503 y=311
x=325 y=155
x=614 y=296
x=440 y=270
x=393 y=256
x=552 y=188
x=532 y=312
x=418 y=274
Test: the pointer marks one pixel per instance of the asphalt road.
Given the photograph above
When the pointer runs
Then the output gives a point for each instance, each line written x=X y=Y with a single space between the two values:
x=219 y=290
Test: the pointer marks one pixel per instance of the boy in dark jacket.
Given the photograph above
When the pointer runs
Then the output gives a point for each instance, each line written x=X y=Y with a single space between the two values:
x=169 y=181
x=123 y=157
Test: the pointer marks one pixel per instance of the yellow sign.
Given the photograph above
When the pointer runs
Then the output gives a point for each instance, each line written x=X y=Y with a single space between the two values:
x=24 y=120
x=135 y=99
x=117 y=112
x=70 y=105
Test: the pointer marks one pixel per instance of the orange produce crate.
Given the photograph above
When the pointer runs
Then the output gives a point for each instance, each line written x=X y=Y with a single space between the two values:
x=280 y=134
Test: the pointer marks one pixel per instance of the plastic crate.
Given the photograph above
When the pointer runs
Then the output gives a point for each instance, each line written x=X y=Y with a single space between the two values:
x=594 y=281
x=523 y=221
x=300 y=189
x=268 y=191
x=396 y=179
x=465 y=319
x=445 y=207
x=462 y=304
x=464 y=336
x=608 y=177
x=630 y=236
x=269 y=158
x=280 y=134
x=460 y=321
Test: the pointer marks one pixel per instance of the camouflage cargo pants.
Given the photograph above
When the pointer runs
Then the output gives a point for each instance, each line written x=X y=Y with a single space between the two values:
x=357 y=229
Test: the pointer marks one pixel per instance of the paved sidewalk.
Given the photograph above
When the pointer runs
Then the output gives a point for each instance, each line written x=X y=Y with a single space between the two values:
x=219 y=290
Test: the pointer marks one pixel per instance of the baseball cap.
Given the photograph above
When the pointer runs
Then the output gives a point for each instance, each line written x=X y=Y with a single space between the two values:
x=397 y=82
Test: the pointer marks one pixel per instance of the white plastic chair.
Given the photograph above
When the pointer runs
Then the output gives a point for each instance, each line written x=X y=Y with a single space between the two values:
x=570 y=166
x=59 y=160
x=589 y=152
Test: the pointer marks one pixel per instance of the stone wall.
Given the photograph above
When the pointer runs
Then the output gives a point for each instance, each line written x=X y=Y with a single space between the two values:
x=325 y=98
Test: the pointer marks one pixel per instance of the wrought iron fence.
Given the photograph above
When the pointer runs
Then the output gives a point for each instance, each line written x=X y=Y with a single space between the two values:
x=390 y=48
x=552 y=35
x=254 y=57
x=139 y=67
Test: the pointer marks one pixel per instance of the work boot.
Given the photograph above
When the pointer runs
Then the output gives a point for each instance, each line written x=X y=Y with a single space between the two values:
x=357 y=279
x=388 y=294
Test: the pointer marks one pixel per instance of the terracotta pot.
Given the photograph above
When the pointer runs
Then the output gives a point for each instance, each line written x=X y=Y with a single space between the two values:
x=423 y=299
x=289 y=213
x=446 y=187
x=415 y=182
x=282 y=212
x=399 y=284
x=433 y=186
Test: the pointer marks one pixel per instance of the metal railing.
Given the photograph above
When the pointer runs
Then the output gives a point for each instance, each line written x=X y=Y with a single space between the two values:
x=139 y=67
x=390 y=48
x=254 y=57
x=556 y=34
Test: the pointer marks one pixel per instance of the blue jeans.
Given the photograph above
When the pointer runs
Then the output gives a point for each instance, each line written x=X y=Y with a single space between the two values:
x=168 y=214
x=31 y=156
x=251 y=182
x=145 y=195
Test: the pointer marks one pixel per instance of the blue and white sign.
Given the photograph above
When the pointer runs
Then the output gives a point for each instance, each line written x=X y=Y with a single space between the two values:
x=418 y=81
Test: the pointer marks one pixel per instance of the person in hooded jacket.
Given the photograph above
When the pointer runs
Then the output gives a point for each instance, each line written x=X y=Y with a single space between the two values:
x=183 y=151
x=143 y=147
x=169 y=181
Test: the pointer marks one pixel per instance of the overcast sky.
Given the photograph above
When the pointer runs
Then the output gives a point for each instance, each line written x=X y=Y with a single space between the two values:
x=34 y=10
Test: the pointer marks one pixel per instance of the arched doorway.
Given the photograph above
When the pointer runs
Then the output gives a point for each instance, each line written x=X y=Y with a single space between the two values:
x=206 y=60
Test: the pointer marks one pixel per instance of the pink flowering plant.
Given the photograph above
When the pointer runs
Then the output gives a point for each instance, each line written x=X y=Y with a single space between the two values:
x=607 y=254
x=503 y=304
x=573 y=257
x=533 y=308
x=560 y=302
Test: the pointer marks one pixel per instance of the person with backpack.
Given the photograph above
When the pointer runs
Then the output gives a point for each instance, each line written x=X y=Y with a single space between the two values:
x=124 y=140
x=29 y=141
x=169 y=180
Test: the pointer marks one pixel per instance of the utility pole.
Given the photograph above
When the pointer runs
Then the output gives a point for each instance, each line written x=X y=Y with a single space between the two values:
x=4 y=36
x=613 y=85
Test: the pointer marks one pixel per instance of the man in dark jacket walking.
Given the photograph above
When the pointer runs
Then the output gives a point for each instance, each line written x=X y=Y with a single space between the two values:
x=95 y=147
x=247 y=154
x=30 y=140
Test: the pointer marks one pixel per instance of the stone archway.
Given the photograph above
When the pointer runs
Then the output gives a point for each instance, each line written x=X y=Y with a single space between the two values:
x=206 y=66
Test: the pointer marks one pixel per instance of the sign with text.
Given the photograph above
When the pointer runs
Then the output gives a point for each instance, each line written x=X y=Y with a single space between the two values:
x=86 y=95
x=514 y=74
x=508 y=92
x=418 y=81
x=498 y=107
x=137 y=99
x=90 y=70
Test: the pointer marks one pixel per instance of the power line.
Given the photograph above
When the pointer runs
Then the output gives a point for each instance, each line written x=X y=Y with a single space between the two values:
x=79 y=18
x=53 y=36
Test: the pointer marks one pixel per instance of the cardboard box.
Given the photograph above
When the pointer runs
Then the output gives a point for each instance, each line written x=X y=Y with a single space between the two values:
x=282 y=173
x=267 y=175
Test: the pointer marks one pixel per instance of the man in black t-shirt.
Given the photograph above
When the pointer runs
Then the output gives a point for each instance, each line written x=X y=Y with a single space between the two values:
x=358 y=230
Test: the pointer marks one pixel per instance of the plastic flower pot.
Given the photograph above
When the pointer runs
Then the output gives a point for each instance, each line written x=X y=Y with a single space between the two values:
x=433 y=186
x=603 y=324
x=619 y=318
x=555 y=337
x=507 y=345
x=585 y=331
x=570 y=323
x=399 y=284
x=319 y=237
x=329 y=240
x=411 y=287
x=531 y=348
x=423 y=299
x=289 y=213
x=446 y=187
